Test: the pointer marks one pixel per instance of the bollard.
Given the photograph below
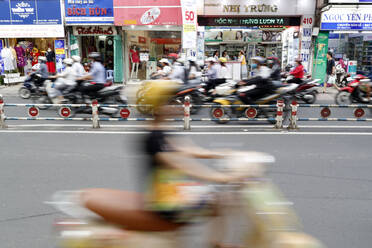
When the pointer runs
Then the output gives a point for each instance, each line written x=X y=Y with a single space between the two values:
x=2 y=115
x=293 y=118
x=95 y=117
x=279 y=114
x=186 y=115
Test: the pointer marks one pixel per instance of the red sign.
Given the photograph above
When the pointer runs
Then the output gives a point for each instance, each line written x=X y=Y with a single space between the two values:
x=358 y=113
x=65 y=112
x=141 y=39
x=124 y=113
x=33 y=111
x=135 y=12
x=166 y=41
x=218 y=113
x=325 y=112
x=251 y=113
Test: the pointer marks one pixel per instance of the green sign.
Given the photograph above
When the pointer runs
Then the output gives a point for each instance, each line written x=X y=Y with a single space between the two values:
x=320 y=56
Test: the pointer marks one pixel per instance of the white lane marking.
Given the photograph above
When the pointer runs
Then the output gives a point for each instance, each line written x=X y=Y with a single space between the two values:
x=187 y=133
x=193 y=126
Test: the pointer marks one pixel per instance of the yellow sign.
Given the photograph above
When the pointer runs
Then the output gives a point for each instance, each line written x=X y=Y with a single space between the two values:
x=130 y=22
x=60 y=51
x=189 y=28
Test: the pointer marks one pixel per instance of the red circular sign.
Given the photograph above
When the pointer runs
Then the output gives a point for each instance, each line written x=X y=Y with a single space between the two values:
x=218 y=113
x=326 y=112
x=33 y=111
x=251 y=113
x=65 y=112
x=358 y=113
x=124 y=113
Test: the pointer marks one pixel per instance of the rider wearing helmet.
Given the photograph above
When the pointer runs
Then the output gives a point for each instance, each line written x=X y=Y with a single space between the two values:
x=96 y=76
x=297 y=72
x=43 y=71
x=171 y=168
x=224 y=71
x=261 y=80
x=66 y=81
x=77 y=66
x=274 y=65
x=166 y=66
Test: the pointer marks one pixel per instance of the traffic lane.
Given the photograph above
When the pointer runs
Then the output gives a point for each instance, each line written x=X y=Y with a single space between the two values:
x=327 y=177
x=303 y=112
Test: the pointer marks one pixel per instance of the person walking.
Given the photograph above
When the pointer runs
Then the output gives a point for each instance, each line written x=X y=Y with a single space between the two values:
x=244 y=72
x=331 y=70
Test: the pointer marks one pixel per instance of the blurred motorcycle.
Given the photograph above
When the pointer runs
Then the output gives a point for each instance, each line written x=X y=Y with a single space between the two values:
x=274 y=222
x=357 y=91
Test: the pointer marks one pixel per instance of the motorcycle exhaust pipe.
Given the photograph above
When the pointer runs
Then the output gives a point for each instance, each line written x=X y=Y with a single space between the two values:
x=108 y=110
x=308 y=97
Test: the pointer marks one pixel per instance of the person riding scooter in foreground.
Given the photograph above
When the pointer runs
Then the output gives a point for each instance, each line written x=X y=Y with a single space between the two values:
x=171 y=168
x=261 y=81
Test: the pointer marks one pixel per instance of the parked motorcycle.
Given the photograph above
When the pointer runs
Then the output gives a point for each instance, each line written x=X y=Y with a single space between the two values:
x=220 y=113
x=357 y=91
x=273 y=220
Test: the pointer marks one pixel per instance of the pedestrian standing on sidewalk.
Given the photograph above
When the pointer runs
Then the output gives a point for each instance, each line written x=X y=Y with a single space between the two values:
x=331 y=70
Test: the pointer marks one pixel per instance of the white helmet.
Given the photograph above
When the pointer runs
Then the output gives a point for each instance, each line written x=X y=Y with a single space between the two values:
x=164 y=61
x=181 y=60
x=68 y=61
x=76 y=58
x=36 y=67
x=42 y=59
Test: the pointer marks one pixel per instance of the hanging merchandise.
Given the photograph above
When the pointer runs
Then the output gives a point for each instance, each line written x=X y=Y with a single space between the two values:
x=8 y=59
x=21 y=53
x=35 y=56
x=59 y=46
x=50 y=55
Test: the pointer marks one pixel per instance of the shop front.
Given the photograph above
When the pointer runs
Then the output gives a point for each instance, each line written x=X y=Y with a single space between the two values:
x=90 y=28
x=151 y=31
x=255 y=28
x=349 y=32
x=28 y=29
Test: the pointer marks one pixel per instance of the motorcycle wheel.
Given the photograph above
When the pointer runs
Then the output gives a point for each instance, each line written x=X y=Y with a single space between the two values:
x=217 y=111
x=24 y=93
x=343 y=97
x=312 y=100
x=195 y=99
x=143 y=109
x=42 y=100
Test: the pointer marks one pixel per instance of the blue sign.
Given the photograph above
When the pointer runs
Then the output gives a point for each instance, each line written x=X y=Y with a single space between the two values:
x=59 y=47
x=346 y=26
x=89 y=11
x=30 y=12
x=1 y=59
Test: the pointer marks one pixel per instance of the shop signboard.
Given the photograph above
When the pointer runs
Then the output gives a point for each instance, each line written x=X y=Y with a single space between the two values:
x=30 y=18
x=233 y=35
x=59 y=47
x=352 y=67
x=1 y=59
x=320 y=56
x=259 y=8
x=89 y=11
x=306 y=38
x=349 y=1
x=93 y=30
x=136 y=12
x=200 y=44
x=189 y=23
x=248 y=21
x=340 y=18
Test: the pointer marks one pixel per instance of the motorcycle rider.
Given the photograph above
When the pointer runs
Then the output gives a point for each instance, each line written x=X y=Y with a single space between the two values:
x=179 y=71
x=213 y=75
x=77 y=66
x=297 y=72
x=171 y=161
x=66 y=81
x=96 y=76
x=261 y=81
x=274 y=65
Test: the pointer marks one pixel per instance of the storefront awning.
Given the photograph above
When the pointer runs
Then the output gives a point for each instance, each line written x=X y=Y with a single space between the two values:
x=141 y=12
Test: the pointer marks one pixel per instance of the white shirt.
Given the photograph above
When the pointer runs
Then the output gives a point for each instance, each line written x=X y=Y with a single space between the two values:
x=224 y=72
x=68 y=73
x=167 y=70
x=78 y=69
x=264 y=72
x=8 y=58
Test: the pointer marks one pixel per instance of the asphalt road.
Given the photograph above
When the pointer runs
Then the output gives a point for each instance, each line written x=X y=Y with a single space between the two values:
x=326 y=175
x=11 y=96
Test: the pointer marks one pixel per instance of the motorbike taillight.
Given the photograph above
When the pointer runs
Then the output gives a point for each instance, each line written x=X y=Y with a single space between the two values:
x=242 y=94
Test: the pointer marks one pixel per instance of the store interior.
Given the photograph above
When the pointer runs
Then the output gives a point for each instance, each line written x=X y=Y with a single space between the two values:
x=145 y=48
x=352 y=46
x=104 y=44
x=279 y=42
x=20 y=54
